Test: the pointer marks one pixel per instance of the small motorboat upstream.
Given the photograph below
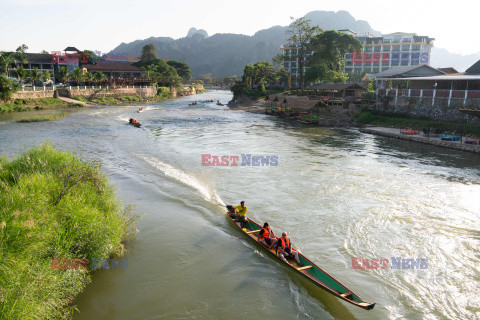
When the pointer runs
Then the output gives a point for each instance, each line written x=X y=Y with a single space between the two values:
x=134 y=123
x=193 y=103
x=140 y=110
x=219 y=103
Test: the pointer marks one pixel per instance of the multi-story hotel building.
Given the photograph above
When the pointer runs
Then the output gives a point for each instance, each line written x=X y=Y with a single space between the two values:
x=378 y=53
x=387 y=51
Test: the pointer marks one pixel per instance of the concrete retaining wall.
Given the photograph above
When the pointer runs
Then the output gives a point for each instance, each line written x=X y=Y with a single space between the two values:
x=104 y=92
x=432 y=141
x=417 y=106
x=33 y=94
x=148 y=92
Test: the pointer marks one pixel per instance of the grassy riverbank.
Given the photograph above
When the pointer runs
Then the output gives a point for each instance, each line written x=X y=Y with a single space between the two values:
x=114 y=100
x=50 y=117
x=53 y=204
x=404 y=121
x=33 y=104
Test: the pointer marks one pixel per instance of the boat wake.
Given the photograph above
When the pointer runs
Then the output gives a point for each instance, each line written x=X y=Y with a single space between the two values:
x=185 y=178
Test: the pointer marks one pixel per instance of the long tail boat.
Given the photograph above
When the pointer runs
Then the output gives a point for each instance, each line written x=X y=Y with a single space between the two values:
x=307 y=269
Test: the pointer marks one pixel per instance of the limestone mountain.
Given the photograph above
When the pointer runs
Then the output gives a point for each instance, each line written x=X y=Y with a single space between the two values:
x=225 y=54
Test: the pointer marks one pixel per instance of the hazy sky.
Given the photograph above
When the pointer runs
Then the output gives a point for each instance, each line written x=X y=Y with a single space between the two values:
x=102 y=25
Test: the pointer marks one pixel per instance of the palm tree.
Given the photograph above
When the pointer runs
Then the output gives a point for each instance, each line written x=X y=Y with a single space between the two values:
x=36 y=76
x=21 y=74
x=63 y=75
x=100 y=76
x=46 y=76
x=88 y=76
x=7 y=59
x=78 y=75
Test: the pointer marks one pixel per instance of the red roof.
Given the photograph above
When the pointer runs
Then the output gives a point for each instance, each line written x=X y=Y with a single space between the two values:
x=113 y=66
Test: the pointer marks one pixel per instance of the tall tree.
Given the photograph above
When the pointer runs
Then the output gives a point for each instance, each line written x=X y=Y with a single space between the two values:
x=21 y=74
x=99 y=76
x=63 y=75
x=36 y=76
x=46 y=76
x=149 y=53
x=7 y=59
x=300 y=33
x=183 y=69
x=330 y=47
x=77 y=75
x=316 y=73
x=88 y=77
x=248 y=75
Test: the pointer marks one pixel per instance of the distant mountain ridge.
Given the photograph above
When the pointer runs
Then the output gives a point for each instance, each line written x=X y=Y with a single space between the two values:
x=442 y=58
x=225 y=54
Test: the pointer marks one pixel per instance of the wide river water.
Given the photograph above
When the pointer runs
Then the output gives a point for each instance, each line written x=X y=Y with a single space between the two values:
x=339 y=194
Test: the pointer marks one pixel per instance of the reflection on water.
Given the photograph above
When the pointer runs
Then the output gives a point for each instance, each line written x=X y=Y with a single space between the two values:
x=339 y=193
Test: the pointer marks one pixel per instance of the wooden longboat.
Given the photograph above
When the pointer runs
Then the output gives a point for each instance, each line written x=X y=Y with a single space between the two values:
x=308 y=269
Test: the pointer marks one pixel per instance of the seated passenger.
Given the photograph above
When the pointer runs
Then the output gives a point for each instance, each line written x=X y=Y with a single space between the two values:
x=284 y=249
x=231 y=211
x=266 y=236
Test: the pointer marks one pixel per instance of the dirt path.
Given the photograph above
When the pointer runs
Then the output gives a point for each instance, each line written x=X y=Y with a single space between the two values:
x=69 y=100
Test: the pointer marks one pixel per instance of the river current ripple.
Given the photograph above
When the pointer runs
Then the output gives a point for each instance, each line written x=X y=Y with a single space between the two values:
x=338 y=192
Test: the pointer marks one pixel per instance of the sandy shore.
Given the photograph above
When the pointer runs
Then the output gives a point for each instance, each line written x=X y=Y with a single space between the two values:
x=248 y=106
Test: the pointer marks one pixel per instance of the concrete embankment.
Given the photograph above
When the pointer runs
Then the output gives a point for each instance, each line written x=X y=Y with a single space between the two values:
x=89 y=92
x=395 y=133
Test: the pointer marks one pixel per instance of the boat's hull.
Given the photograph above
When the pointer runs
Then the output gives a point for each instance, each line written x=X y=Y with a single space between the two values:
x=308 y=269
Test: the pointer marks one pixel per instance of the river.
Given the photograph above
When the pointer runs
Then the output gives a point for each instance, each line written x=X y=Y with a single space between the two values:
x=339 y=194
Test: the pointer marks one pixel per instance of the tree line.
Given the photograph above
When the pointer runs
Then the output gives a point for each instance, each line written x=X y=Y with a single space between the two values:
x=320 y=52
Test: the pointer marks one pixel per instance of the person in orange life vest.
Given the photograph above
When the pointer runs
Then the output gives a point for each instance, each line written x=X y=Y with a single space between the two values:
x=266 y=236
x=284 y=249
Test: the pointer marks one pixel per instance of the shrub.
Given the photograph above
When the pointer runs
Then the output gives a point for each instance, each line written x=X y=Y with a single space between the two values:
x=164 y=92
x=7 y=87
x=53 y=205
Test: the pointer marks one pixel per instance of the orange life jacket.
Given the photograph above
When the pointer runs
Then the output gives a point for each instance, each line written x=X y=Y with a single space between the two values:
x=282 y=243
x=266 y=232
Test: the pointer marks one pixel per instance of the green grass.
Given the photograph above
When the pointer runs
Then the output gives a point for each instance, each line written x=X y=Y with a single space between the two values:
x=53 y=204
x=80 y=98
x=50 y=117
x=396 y=120
x=164 y=93
x=10 y=107
x=17 y=105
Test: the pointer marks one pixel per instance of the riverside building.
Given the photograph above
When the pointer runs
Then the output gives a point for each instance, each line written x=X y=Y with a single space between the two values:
x=388 y=51
x=378 y=53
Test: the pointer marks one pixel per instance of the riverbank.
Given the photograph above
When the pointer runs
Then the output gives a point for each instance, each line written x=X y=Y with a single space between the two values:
x=19 y=105
x=253 y=106
x=91 y=98
x=421 y=138
x=388 y=125
x=54 y=206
